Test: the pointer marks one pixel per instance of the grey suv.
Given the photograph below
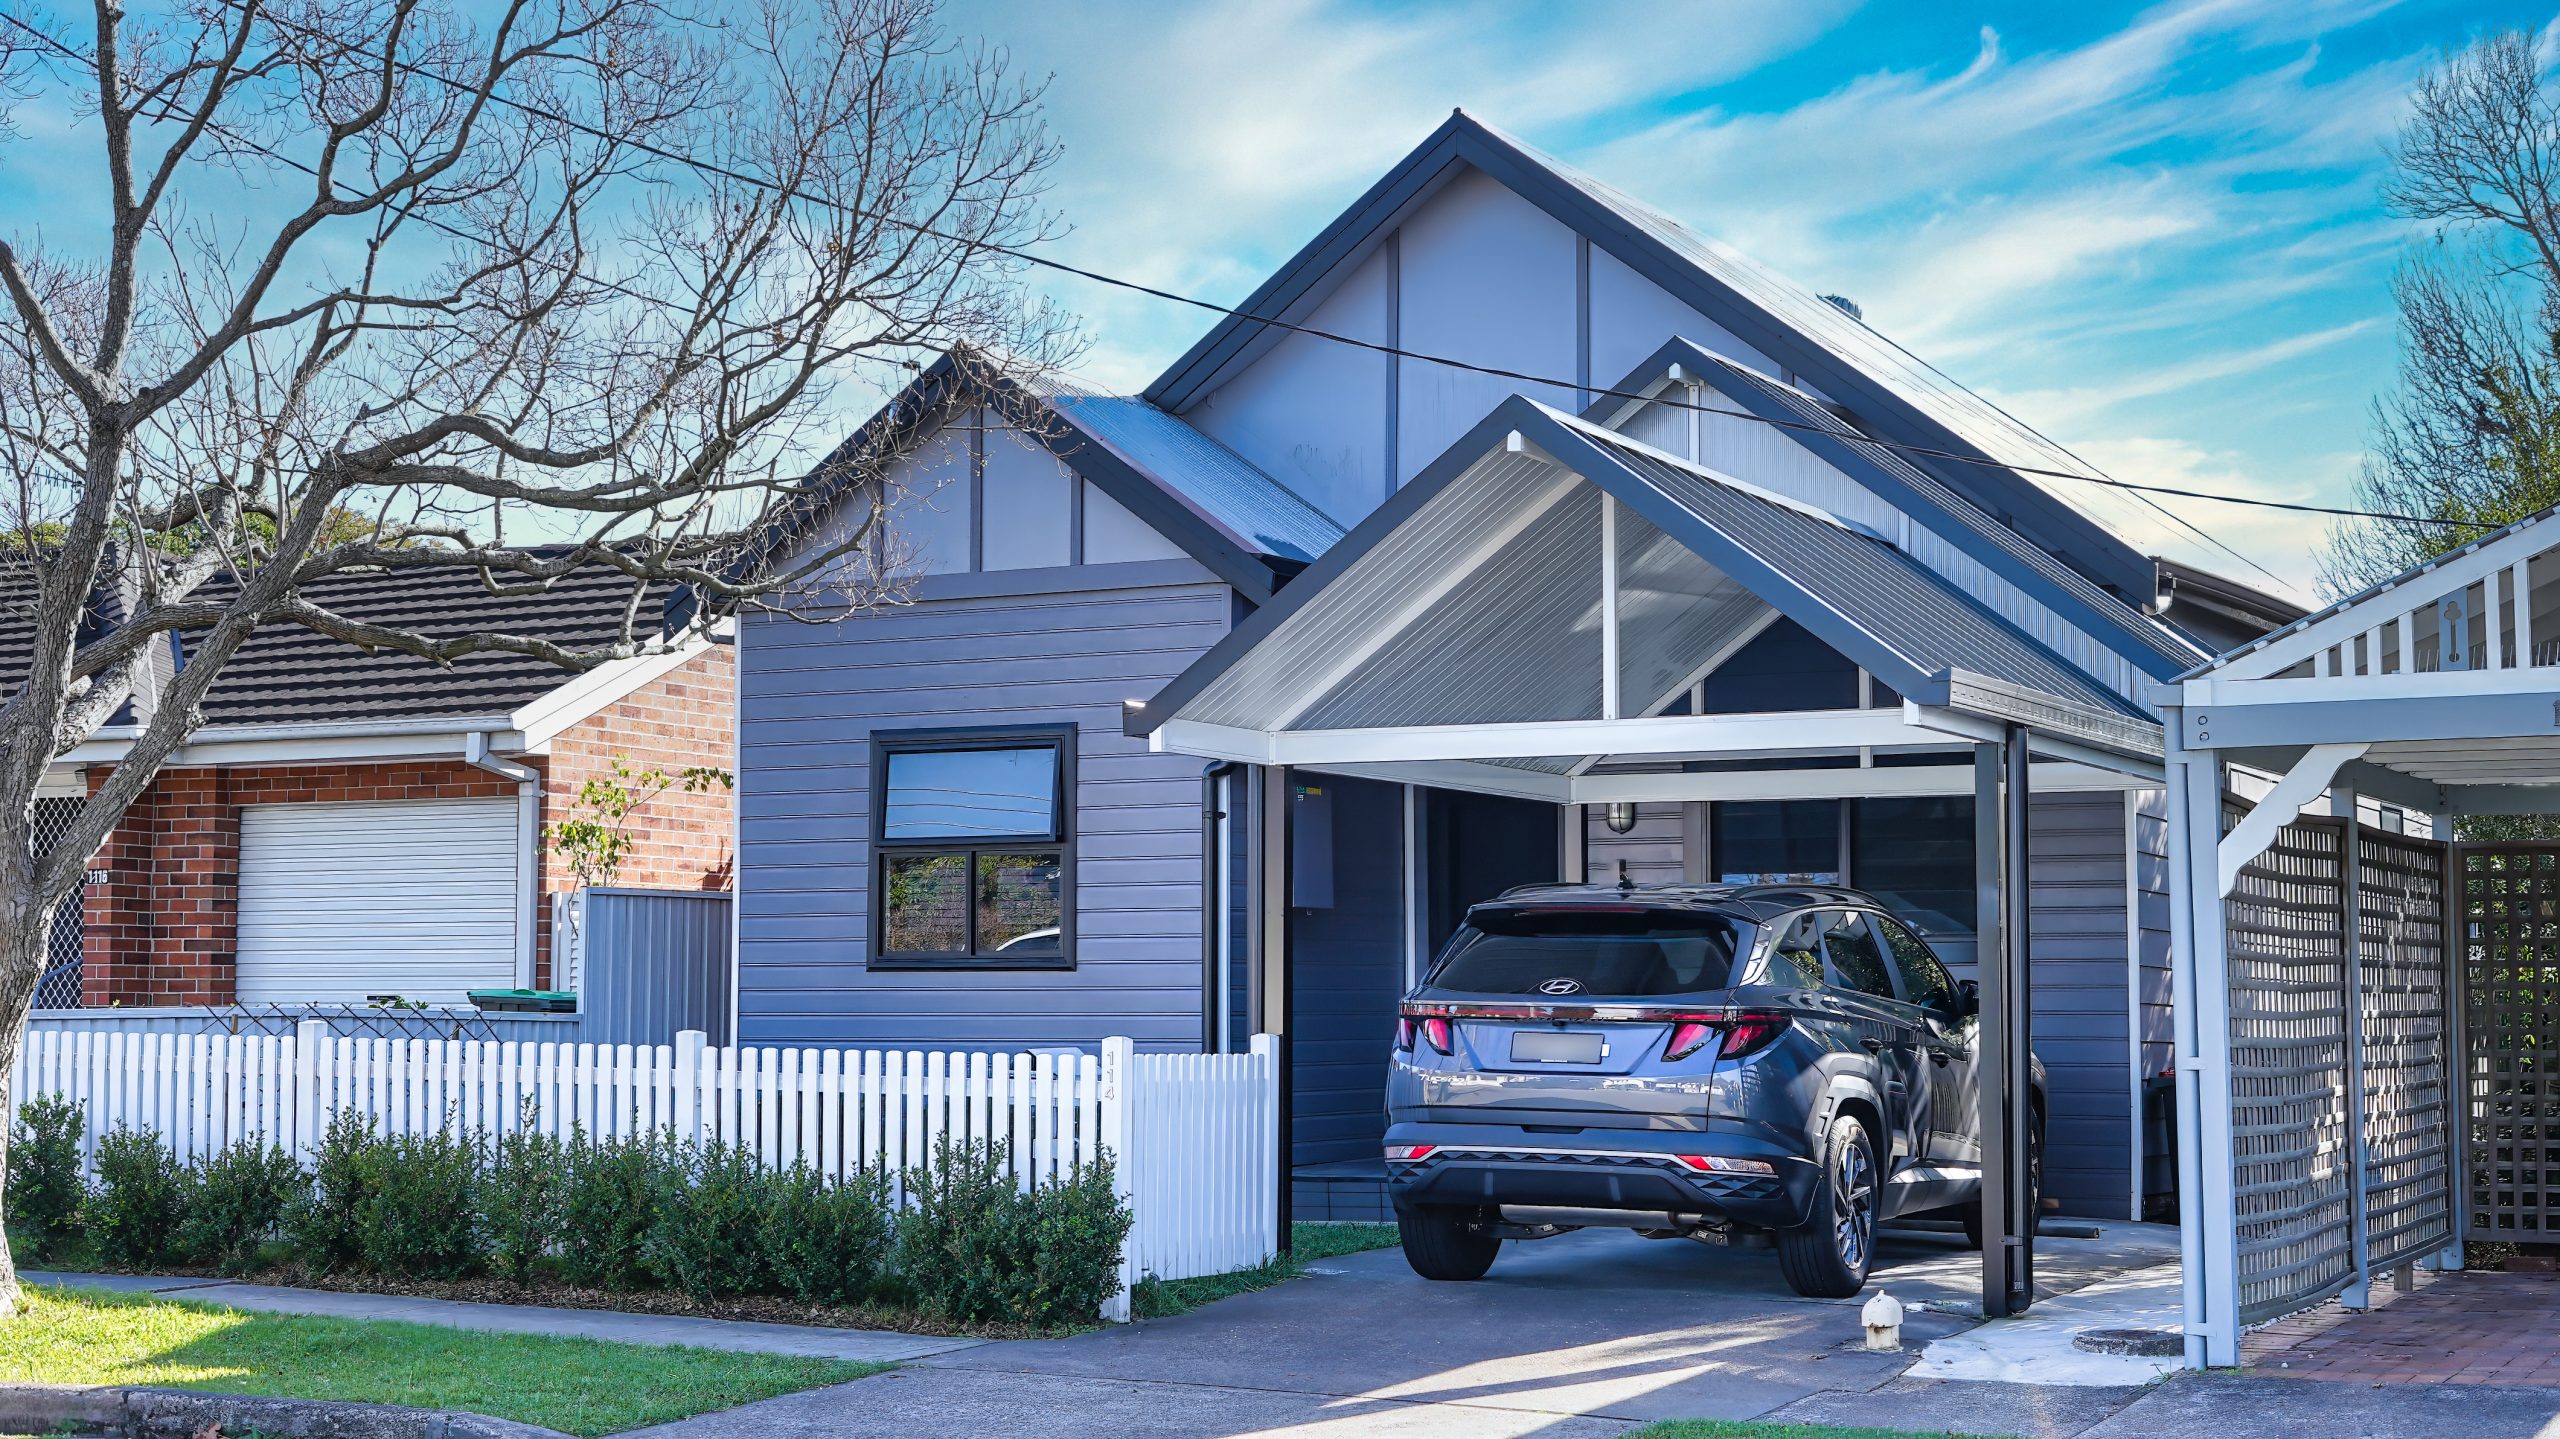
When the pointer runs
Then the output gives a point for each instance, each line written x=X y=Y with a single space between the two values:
x=1716 y=1062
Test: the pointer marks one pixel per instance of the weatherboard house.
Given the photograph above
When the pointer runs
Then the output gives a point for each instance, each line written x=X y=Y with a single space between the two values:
x=1218 y=704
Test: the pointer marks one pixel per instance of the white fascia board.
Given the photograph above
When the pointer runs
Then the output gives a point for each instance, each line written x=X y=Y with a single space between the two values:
x=1805 y=732
x=321 y=746
x=1877 y=783
x=606 y=684
x=61 y=780
x=2422 y=684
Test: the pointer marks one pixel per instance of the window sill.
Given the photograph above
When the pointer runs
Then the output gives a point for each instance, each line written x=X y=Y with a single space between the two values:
x=931 y=963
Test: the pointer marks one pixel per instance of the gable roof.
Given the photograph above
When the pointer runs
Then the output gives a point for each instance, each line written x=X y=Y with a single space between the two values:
x=284 y=674
x=2158 y=650
x=1894 y=394
x=1899 y=620
x=1249 y=529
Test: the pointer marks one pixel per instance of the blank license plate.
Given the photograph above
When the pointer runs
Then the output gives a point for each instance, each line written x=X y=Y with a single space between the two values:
x=1541 y=1046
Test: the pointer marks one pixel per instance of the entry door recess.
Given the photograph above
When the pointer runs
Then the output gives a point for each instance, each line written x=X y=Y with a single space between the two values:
x=341 y=902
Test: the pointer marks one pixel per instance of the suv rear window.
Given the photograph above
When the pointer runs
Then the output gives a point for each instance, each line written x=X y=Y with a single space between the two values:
x=1607 y=951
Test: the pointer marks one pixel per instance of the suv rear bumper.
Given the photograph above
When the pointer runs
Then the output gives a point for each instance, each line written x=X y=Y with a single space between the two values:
x=1636 y=1171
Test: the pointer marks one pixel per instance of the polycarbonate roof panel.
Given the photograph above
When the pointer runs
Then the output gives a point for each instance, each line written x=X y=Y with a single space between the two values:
x=1518 y=638
x=1675 y=612
x=1410 y=570
x=1872 y=585
x=1218 y=482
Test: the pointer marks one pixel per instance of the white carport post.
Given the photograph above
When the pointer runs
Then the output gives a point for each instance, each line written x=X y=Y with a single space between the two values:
x=2208 y=1229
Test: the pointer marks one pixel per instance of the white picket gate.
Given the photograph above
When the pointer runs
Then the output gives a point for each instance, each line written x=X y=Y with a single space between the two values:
x=1194 y=1136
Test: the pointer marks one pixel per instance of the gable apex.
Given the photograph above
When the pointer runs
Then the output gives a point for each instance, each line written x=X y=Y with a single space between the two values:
x=1896 y=397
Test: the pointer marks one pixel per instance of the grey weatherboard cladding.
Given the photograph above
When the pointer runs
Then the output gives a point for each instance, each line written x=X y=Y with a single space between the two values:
x=810 y=696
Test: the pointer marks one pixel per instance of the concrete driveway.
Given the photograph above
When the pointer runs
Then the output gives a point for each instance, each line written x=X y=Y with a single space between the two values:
x=1584 y=1335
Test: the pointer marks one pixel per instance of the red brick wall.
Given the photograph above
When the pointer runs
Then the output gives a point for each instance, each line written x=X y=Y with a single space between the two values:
x=162 y=915
x=162 y=918
x=683 y=718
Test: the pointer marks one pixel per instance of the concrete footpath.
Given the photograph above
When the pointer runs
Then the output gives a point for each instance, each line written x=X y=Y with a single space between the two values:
x=869 y=1346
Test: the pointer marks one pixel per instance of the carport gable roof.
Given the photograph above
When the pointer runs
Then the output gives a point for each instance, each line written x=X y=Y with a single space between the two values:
x=2369 y=677
x=1876 y=605
x=2141 y=640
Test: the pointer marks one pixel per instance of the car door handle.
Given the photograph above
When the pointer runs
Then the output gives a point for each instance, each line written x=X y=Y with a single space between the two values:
x=1871 y=1044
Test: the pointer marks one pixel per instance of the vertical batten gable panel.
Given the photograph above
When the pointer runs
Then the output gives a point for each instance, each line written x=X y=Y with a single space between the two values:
x=1312 y=412
x=1631 y=317
x=1488 y=278
x=1112 y=535
x=810 y=696
x=1029 y=497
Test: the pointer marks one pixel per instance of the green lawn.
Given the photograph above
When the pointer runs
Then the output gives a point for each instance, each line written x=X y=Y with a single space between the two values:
x=583 y=1386
x=1749 y=1430
x=1308 y=1243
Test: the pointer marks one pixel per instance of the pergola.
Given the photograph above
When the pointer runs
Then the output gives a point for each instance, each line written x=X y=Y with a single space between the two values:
x=1529 y=617
x=2324 y=967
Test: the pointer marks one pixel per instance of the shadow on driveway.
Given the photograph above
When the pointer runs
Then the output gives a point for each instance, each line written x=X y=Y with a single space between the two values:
x=1584 y=1335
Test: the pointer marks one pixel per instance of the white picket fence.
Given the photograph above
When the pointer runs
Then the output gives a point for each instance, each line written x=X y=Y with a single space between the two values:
x=1194 y=1136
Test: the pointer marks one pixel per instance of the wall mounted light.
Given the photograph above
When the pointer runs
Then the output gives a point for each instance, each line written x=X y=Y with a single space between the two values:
x=1621 y=817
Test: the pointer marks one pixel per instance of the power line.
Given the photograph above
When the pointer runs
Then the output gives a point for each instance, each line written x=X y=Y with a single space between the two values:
x=1099 y=277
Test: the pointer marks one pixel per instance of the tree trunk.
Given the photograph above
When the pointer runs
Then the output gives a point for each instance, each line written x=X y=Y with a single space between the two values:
x=26 y=933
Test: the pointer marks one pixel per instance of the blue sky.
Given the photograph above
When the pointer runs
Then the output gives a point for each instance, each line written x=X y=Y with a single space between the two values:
x=2151 y=232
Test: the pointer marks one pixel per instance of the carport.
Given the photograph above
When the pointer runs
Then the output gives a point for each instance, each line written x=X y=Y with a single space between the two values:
x=1532 y=615
x=2362 y=1032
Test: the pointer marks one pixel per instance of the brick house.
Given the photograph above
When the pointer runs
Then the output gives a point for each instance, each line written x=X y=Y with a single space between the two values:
x=347 y=825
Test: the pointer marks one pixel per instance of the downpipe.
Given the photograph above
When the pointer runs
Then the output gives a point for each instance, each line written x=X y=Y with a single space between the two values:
x=528 y=781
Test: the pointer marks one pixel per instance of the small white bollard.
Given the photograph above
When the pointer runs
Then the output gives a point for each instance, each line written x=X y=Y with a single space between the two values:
x=1883 y=1318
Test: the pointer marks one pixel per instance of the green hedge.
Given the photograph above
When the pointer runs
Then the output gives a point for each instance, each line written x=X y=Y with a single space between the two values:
x=615 y=1213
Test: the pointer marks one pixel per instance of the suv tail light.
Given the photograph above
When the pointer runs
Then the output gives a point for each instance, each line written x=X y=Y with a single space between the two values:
x=1432 y=1023
x=1744 y=1034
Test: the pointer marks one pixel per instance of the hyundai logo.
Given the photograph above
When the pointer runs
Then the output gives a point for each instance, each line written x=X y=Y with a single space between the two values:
x=1561 y=987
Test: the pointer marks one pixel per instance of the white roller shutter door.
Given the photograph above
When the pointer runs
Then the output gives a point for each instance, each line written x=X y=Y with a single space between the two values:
x=340 y=902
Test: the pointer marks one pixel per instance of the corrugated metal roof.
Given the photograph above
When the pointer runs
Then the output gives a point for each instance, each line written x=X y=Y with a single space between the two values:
x=1799 y=407
x=1221 y=484
x=1999 y=435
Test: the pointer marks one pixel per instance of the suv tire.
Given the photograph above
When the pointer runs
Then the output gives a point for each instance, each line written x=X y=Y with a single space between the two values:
x=1972 y=1213
x=1445 y=1243
x=1827 y=1257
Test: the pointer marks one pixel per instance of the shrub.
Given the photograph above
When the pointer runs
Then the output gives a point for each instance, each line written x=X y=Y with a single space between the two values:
x=708 y=1235
x=977 y=1249
x=44 y=1169
x=139 y=1199
x=826 y=1243
x=607 y=1206
x=234 y=1201
x=521 y=1198
x=422 y=1220
x=326 y=1221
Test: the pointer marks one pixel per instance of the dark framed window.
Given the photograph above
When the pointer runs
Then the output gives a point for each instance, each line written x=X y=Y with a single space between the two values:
x=973 y=849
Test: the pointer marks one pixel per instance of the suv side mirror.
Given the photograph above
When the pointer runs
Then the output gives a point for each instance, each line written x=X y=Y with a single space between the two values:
x=1968 y=998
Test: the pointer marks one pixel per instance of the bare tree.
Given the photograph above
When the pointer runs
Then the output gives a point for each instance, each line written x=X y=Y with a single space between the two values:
x=2471 y=433
x=371 y=284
